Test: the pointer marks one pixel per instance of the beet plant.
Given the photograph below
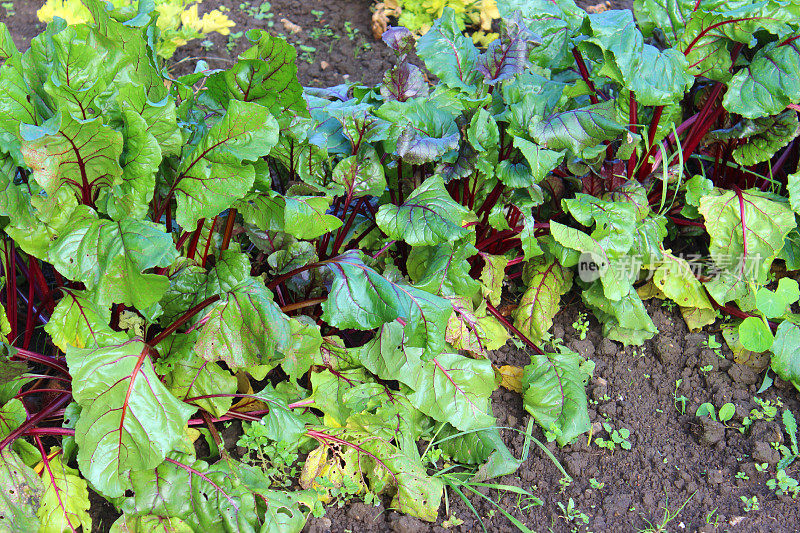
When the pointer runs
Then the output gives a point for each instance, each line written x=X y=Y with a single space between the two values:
x=330 y=263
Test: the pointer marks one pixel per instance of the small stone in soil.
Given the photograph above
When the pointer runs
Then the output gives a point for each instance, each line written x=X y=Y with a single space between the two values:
x=713 y=431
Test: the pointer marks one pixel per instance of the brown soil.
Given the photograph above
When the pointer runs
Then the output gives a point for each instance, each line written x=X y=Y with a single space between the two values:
x=675 y=456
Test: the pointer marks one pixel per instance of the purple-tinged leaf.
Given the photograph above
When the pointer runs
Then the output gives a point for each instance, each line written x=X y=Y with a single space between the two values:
x=399 y=39
x=547 y=281
x=429 y=216
x=404 y=81
x=508 y=56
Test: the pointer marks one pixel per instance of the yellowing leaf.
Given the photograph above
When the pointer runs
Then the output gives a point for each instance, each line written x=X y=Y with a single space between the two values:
x=511 y=377
x=65 y=503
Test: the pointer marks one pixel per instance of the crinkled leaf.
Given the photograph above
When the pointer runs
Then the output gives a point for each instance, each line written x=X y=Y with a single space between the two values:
x=404 y=81
x=547 y=281
x=214 y=174
x=428 y=216
x=129 y=421
x=65 y=502
x=109 y=257
x=507 y=56
x=578 y=130
x=361 y=298
x=554 y=393
x=245 y=327
x=484 y=446
x=448 y=54
x=624 y=320
x=455 y=389
x=676 y=278
x=762 y=136
x=476 y=330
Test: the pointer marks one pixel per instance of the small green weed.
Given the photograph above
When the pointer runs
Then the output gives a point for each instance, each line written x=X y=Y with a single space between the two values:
x=668 y=517
x=581 y=325
x=618 y=437
x=750 y=504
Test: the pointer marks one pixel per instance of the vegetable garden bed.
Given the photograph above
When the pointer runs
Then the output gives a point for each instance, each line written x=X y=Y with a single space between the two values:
x=341 y=280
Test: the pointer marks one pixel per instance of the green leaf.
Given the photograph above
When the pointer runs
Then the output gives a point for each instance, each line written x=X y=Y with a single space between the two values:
x=507 y=56
x=484 y=446
x=755 y=335
x=80 y=322
x=540 y=161
x=83 y=155
x=387 y=357
x=554 y=392
x=776 y=304
x=624 y=320
x=747 y=233
x=304 y=217
x=579 y=130
x=7 y=46
x=428 y=216
x=443 y=269
x=448 y=54
x=281 y=423
x=361 y=174
x=765 y=86
x=474 y=330
x=786 y=358
x=655 y=77
x=214 y=175
x=360 y=298
x=20 y=494
x=109 y=257
x=129 y=421
x=546 y=282
x=65 y=502
x=191 y=376
x=245 y=327
x=677 y=279
x=455 y=389
x=763 y=136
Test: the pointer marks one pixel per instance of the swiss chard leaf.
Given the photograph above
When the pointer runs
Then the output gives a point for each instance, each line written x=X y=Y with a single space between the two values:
x=554 y=393
x=129 y=421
